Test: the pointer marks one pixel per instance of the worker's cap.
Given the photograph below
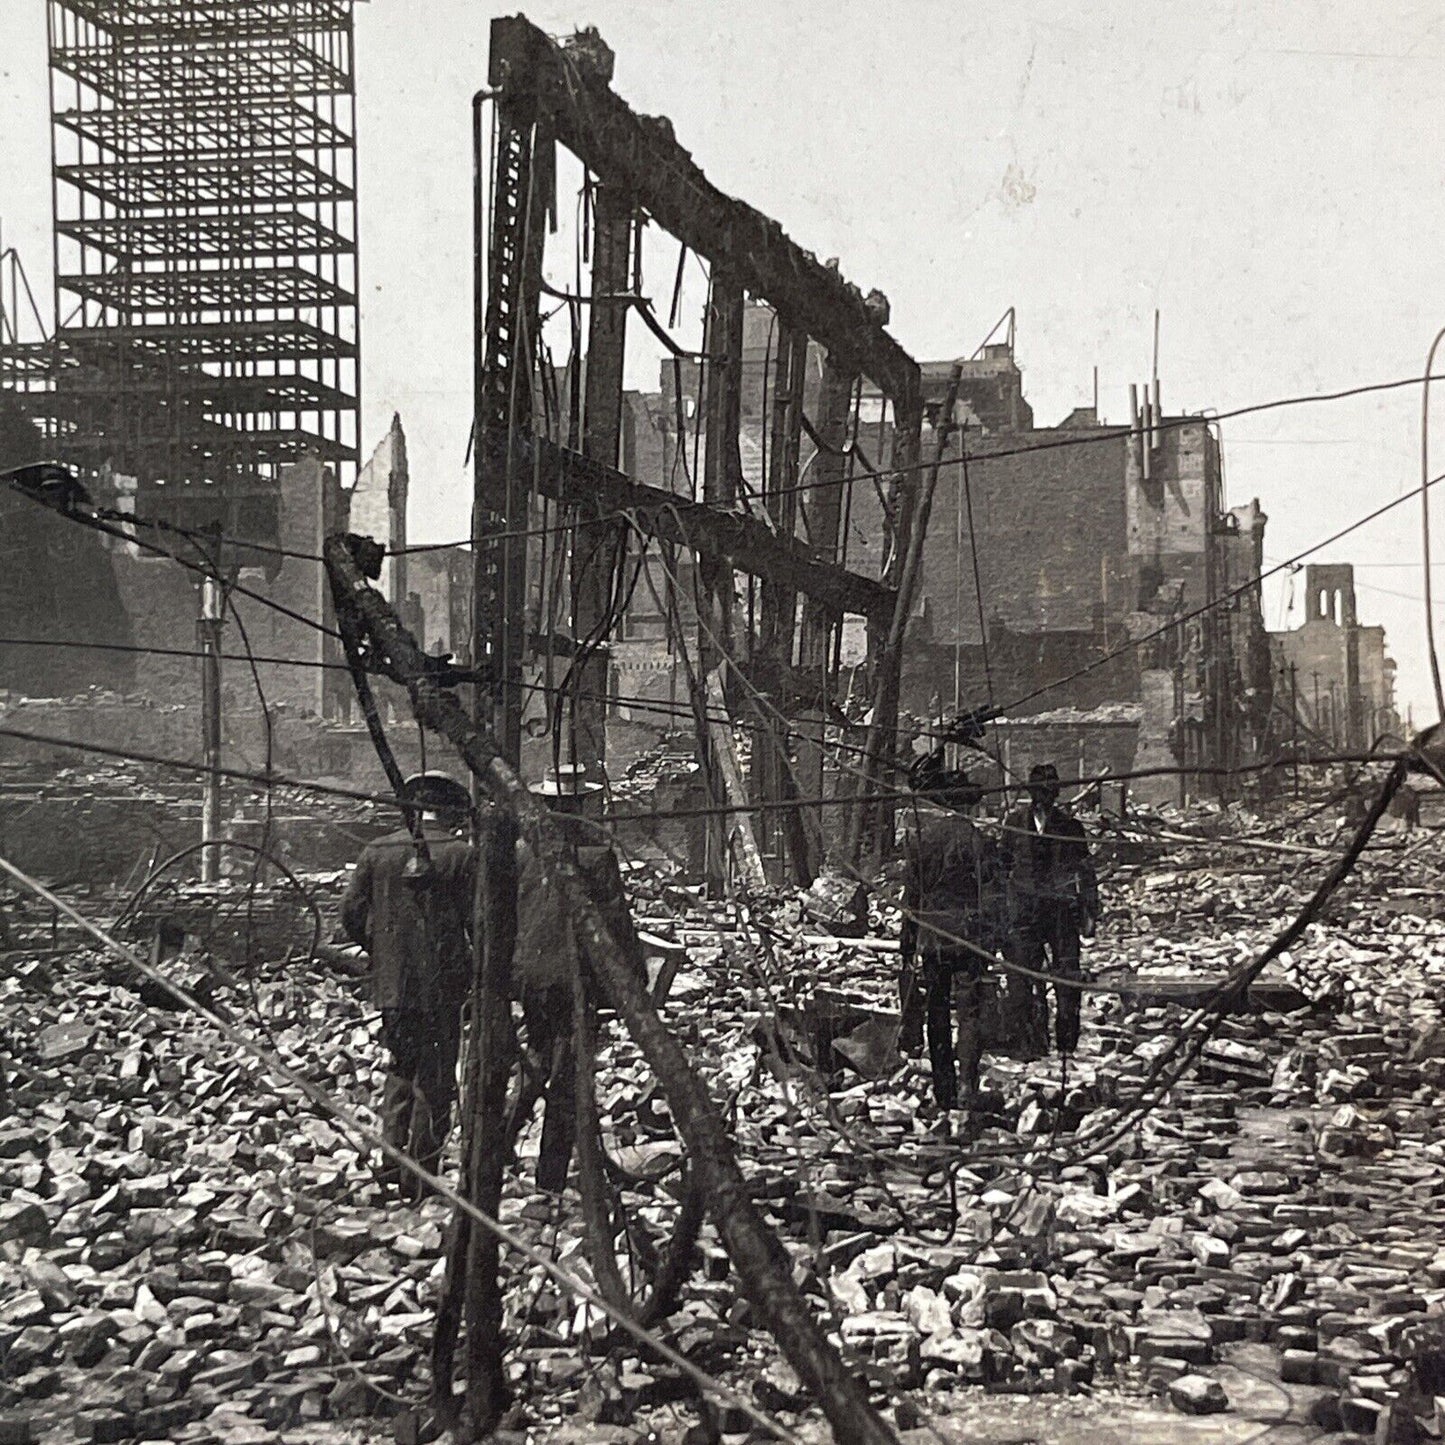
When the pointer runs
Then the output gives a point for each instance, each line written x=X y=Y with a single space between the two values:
x=436 y=793
x=951 y=786
x=568 y=780
x=1043 y=773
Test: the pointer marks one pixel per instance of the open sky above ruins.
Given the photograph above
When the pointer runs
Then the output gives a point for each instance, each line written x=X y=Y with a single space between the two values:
x=1266 y=175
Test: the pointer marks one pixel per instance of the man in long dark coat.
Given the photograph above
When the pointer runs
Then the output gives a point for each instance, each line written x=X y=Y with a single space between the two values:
x=413 y=917
x=954 y=917
x=1053 y=897
x=548 y=963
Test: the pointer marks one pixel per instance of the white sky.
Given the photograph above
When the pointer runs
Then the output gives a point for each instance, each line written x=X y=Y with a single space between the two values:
x=1267 y=174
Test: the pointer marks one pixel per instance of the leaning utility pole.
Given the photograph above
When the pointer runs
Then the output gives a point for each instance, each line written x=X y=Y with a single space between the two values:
x=208 y=631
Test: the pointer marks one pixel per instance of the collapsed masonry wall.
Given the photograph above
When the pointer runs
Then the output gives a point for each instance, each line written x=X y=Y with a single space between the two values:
x=1016 y=665
x=93 y=832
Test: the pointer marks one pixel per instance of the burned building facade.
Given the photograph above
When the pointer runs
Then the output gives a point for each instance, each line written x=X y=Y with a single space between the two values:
x=1088 y=581
x=1333 y=676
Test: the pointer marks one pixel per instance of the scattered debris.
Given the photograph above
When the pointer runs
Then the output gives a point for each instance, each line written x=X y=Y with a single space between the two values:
x=187 y=1252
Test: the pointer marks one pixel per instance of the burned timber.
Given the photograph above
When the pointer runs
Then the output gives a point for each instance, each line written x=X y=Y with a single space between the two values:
x=827 y=915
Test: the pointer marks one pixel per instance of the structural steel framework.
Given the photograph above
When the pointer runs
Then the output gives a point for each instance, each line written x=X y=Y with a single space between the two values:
x=548 y=93
x=204 y=179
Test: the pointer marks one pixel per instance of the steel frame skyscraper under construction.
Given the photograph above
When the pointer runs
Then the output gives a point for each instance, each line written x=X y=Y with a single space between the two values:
x=204 y=178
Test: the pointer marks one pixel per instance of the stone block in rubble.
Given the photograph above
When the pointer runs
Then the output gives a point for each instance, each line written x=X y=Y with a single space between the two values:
x=228 y=1371
x=838 y=904
x=1422 y=1347
x=1339 y=1360
x=962 y=1351
x=1299 y=1367
x=22 y=1309
x=160 y=1422
x=1253 y=1183
x=63 y=1041
x=1360 y=1416
x=23 y=1219
x=1174 y=1334
x=105 y=1427
x=19 y=1140
x=1039 y=1342
x=48 y=1280
x=1162 y=1370
x=35 y=1345
x=888 y=1341
x=1230 y=1329
x=87 y=1337
x=779 y=1388
x=1013 y=1295
x=1198 y=1395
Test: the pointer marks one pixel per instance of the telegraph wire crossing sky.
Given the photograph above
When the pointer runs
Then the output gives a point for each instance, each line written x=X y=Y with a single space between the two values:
x=1265 y=176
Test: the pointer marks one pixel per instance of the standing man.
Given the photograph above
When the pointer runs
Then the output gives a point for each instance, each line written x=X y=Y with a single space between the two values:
x=952 y=898
x=557 y=1005
x=413 y=914
x=1053 y=898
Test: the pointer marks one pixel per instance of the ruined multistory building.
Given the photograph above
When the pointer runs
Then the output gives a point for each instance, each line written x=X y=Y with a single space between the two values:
x=1333 y=677
x=1081 y=576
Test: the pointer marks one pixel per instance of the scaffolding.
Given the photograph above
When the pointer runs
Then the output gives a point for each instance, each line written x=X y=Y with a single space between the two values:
x=205 y=252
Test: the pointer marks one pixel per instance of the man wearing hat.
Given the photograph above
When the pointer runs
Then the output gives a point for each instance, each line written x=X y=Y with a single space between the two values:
x=547 y=960
x=954 y=916
x=410 y=908
x=1053 y=898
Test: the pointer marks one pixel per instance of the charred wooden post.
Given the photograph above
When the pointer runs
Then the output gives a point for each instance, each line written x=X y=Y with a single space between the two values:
x=471 y=1287
x=756 y=1254
x=596 y=543
x=871 y=824
x=490 y=1067
x=823 y=520
x=722 y=403
x=523 y=176
x=782 y=831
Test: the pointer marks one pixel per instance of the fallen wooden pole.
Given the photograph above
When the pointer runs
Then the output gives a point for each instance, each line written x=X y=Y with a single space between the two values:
x=762 y=1264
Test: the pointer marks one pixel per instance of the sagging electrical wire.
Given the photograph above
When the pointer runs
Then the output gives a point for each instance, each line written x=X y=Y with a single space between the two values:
x=330 y=1107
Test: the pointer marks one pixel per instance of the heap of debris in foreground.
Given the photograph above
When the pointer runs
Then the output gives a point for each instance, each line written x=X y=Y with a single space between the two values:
x=190 y=1254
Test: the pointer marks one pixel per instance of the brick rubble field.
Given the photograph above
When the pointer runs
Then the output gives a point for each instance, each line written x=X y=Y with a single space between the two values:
x=189 y=1253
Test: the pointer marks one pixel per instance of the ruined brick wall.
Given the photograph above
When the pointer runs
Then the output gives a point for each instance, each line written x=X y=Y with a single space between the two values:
x=1019 y=664
x=377 y=507
x=442 y=581
x=1319 y=652
x=1170 y=511
x=1377 y=684
x=1344 y=674
x=162 y=601
x=1241 y=554
x=1049 y=527
x=57 y=584
x=1079 y=747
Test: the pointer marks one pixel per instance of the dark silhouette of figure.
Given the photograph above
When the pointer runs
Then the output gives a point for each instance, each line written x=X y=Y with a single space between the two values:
x=414 y=920
x=1053 y=898
x=955 y=916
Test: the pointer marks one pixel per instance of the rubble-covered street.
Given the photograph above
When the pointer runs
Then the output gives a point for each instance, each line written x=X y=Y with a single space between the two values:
x=190 y=1253
x=799 y=798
